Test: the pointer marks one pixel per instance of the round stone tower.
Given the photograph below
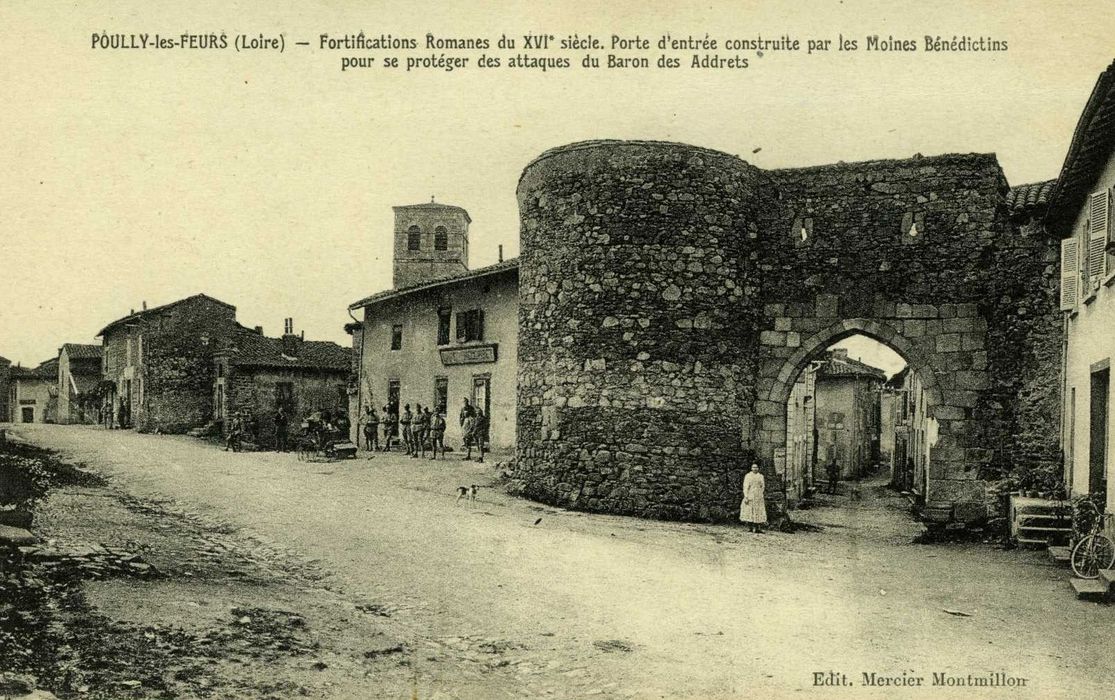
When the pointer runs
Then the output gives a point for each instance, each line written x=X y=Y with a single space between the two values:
x=638 y=327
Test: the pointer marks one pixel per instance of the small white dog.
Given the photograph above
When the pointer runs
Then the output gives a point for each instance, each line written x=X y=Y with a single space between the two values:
x=468 y=492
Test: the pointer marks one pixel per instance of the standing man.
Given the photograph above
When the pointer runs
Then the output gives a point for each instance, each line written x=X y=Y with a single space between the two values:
x=390 y=425
x=371 y=429
x=467 y=419
x=832 y=471
x=405 y=420
x=479 y=433
x=282 y=423
x=421 y=429
x=437 y=434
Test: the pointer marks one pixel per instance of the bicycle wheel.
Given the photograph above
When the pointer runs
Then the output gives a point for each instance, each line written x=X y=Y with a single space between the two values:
x=1091 y=554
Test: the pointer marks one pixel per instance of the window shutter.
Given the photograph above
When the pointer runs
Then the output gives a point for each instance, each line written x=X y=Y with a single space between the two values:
x=480 y=325
x=1097 y=236
x=460 y=326
x=1070 y=257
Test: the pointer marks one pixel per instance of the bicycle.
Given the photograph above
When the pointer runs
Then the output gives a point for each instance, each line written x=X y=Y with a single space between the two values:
x=1095 y=551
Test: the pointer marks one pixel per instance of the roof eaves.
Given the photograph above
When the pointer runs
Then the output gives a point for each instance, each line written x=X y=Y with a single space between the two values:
x=512 y=264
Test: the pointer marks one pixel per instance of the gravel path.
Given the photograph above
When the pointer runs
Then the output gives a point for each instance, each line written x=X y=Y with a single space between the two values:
x=494 y=605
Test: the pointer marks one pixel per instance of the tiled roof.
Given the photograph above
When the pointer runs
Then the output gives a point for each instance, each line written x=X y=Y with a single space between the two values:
x=250 y=349
x=1093 y=142
x=846 y=367
x=159 y=309
x=436 y=206
x=1024 y=199
x=512 y=264
x=82 y=352
x=46 y=370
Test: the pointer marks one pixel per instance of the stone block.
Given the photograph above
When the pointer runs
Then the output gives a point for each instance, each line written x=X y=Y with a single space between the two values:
x=979 y=455
x=828 y=305
x=782 y=323
x=925 y=310
x=973 y=341
x=959 y=325
x=967 y=310
x=948 y=412
x=955 y=491
x=793 y=339
x=769 y=408
x=948 y=342
x=947 y=311
x=904 y=311
x=969 y=512
x=914 y=328
x=773 y=310
x=772 y=338
x=974 y=381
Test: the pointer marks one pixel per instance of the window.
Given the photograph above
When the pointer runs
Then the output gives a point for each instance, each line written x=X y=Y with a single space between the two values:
x=1070 y=278
x=470 y=326
x=441 y=238
x=443 y=319
x=414 y=238
x=1097 y=237
x=396 y=337
x=441 y=394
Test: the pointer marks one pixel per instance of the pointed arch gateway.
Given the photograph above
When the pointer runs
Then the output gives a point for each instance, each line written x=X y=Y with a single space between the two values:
x=951 y=472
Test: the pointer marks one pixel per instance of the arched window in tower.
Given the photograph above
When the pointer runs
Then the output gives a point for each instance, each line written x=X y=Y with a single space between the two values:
x=414 y=238
x=441 y=238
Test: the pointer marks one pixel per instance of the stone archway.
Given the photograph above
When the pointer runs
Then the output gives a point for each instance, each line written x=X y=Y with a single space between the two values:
x=669 y=294
x=945 y=347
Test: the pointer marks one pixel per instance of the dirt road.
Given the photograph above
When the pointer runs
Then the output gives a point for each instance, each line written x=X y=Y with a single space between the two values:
x=494 y=605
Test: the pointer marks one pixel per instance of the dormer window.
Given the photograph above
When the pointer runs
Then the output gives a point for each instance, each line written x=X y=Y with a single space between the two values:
x=414 y=238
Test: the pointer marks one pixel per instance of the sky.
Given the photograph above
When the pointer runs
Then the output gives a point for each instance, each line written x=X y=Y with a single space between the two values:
x=267 y=180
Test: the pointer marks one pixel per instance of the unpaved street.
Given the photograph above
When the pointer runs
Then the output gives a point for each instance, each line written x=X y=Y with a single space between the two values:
x=490 y=603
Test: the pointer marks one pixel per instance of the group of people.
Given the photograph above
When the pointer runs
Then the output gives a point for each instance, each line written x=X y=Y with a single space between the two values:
x=422 y=429
x=118 y=417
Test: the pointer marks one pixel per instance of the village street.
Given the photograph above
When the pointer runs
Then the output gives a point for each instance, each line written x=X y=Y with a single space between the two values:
x=573 y=604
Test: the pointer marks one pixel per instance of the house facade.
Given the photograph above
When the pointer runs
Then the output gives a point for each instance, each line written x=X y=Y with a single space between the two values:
x=160 y=363
x=1079 y=212
x=79 y=372
x=435 y=340
x=255 y=375
x=912 y=431
x=847 y=413
x=33 y=393
x=5 y=377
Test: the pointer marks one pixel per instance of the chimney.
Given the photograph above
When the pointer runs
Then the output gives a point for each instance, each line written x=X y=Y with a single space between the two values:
x=144 y=304
x=291 y=343
x=259 y=330
x=840 y=353
x=501 y=252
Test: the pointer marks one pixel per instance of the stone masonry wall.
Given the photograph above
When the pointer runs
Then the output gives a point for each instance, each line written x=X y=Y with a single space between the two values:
x=670 y=297
x=178 y=369
x=636 y=339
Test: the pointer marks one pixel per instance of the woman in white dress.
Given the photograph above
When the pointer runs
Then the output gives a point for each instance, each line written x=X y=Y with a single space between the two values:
x=753 y=510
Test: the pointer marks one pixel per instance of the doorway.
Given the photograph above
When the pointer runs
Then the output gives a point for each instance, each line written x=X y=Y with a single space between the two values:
x=1097 y=441
x=28 y=414
x=393 y=403
x=482 y=399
